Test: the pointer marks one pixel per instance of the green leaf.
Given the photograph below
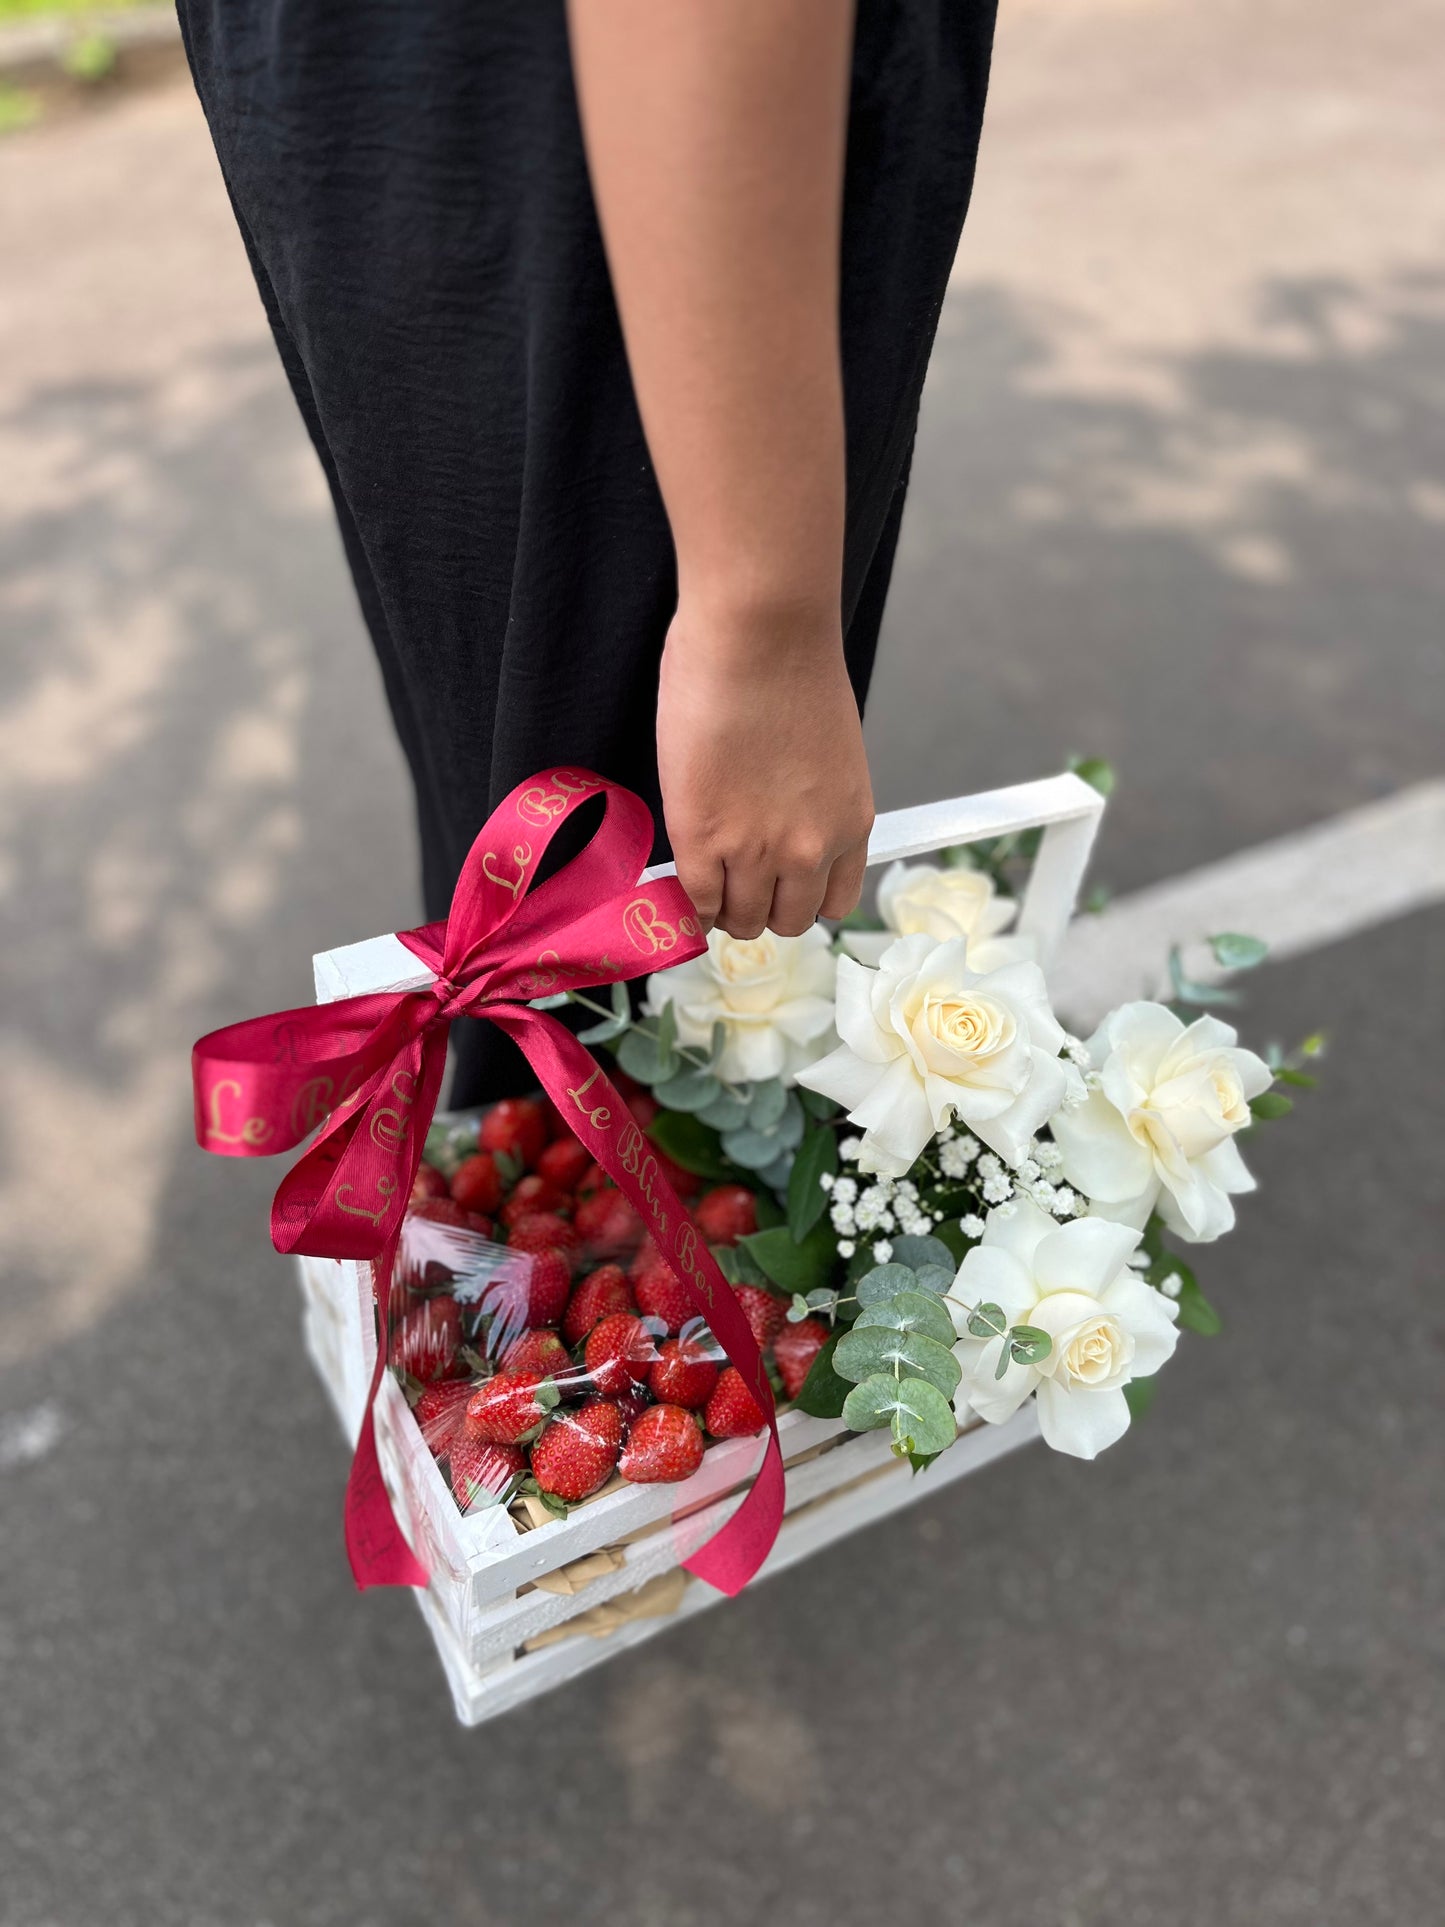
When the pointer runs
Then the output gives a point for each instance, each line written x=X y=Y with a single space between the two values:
x=1097 y=773
x=951 y=1237
x=920 y=1461
x=1301 y=1080
x=1139 y=1395
x=1196 y=1314
x=790 y=1126
x=807 y=1200
x=987 y=1321
x=776 y=1174
x=915 y=1252
x=860 y=1353
x=1232 y=951
x=909 y=1311
x=769 y=1212
x=689 y=1142
x=885 y=1281
x=667 y=1034
x=767 y=1104
x=690 y=1090
x=717 y=1044
x=824 y=1392
x=791 y=1264
x=816 y=1105
x=1271 y=1104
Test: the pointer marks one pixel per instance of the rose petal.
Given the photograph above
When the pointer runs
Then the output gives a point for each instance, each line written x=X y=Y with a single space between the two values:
x=1081 y=1420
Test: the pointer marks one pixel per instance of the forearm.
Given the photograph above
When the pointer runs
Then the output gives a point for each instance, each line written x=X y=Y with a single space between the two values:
x=715 y=134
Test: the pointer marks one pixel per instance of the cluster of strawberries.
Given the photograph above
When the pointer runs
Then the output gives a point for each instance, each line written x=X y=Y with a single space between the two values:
x=600 y=1362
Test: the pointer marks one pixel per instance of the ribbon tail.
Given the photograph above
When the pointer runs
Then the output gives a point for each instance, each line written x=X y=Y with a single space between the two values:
x=376 y=1546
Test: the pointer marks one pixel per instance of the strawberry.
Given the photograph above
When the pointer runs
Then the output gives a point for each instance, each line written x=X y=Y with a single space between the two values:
x=608 y=1225
x=618 y=1349
x=578 y=1450
x=479 y=1222
x=530 y=1194
x=541 y=1231
x=594 y=1178
x=428 y=1183
x=557 y=1125
x=643 y=1106
x=506 y=1408
x=631 y=1402
x=424 y=1340
x=660 y=1293
x=665 y=1444
x=518 y=1126
x=538 y=1351
x=481 y=1470
x=683 y=1374
x=795 y=1348
x=564 y=1163
x=438 y=1211
x=686 y=1184
x=549 y=1287
x=765 y=1312
x=477 y=1183
x=732 y=1411
x=726 y=1214
x=604 y=1291
x=439 y=1412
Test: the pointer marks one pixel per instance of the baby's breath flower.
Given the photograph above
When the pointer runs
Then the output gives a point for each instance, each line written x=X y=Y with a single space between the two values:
x=846 y=1247
x=971 y=1225
x=849 y=1148
x=997 y=1189
x=1063 y=1202
x=882 y=1252
x=1172 y=1285
x=825 y=1180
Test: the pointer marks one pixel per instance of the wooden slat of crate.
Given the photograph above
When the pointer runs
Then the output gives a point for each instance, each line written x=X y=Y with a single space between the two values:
x=480 y=1695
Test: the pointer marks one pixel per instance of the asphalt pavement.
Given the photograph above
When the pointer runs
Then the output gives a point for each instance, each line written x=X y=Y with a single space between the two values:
x=1179 y=501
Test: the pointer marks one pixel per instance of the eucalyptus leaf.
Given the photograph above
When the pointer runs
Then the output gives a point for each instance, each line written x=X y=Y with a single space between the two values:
x=915 y=1252
x=987 y=1321
x=935 y=1278
x=749 y=1148
x=778 y=1172
x=788 y=1131
x=909 y=1311
x=717 y=1044
x=807 y=1200
x=1027 y=1345
x=725 y=1112
x=1232 y=951
x=639 y=1056
x=690 y=1090
x=767 y=1104
x=871 y=1404
x=861 y=1352
x=923 y=1421
x=885 y=1281
x=557 y=1002
x=824 y=1392
x=1189 y=992
x=613 y=1026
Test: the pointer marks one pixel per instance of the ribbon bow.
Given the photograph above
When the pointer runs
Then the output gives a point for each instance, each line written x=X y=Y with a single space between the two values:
x=368 y=1070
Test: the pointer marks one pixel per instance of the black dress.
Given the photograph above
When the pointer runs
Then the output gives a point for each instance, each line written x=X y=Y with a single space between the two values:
x=410 y=183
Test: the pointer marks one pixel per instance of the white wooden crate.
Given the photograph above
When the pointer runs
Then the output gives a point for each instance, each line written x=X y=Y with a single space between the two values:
x=483 y=1603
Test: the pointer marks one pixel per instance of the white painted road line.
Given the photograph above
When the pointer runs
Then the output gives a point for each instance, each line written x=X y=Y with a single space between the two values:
x=1299 y=893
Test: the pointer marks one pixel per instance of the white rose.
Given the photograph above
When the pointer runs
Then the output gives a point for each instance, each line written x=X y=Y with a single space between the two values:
x=924 y=898
x=772 y=995
x=1158 y=1129
x=1072 y=1281
x=925 y=1039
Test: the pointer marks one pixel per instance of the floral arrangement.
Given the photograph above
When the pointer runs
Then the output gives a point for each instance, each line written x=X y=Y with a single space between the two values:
x=932 y=1201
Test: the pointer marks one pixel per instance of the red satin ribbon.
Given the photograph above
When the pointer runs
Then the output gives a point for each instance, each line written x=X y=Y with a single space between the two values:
x=369 y=1069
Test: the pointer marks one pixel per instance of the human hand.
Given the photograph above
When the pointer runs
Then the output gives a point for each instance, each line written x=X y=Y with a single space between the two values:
x=765 y=785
